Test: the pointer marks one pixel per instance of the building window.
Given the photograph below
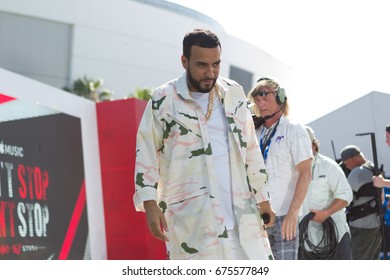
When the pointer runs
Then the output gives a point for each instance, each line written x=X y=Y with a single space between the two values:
x=35 y=48
x=241 y=76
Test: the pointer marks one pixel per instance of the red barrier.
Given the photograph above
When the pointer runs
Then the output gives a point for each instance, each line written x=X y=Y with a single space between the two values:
x=126 y=231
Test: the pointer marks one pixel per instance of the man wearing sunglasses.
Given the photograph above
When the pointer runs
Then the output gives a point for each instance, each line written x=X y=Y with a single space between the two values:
x=287 y=154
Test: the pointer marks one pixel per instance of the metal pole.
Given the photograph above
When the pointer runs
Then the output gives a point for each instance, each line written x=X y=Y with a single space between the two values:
x=334 y=152
x=379 y=192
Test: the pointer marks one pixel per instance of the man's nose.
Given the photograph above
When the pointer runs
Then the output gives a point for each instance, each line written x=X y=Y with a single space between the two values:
x=210 y=72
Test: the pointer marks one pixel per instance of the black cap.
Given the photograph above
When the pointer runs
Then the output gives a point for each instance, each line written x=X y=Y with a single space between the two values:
x=349 y=151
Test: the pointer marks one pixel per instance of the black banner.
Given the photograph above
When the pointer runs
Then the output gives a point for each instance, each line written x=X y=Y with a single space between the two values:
x=42 y=192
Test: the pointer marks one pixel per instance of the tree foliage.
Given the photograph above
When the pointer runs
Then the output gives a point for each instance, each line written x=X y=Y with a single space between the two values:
x=142 y=93
x=91 y=89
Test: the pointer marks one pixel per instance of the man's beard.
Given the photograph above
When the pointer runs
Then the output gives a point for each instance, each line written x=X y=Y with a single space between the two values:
x=192 y=83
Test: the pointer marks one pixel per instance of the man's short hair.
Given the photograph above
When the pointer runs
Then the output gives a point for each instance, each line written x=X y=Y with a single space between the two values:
x=199 y=37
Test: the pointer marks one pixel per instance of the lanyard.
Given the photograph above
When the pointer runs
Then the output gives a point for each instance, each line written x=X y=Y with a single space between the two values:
x=265 y=141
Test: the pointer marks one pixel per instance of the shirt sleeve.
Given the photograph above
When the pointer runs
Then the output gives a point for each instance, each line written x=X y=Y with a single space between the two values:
x=149 y=142
x=300 y=145
x=339 y=184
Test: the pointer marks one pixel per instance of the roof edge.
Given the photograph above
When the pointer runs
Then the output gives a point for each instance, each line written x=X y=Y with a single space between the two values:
x=176 y=8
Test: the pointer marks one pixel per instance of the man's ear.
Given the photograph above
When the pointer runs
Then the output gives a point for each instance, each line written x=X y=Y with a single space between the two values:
x=184 y=61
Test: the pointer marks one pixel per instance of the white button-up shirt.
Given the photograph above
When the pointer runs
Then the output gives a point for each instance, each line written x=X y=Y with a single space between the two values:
x=328 y=183
x=289 y=146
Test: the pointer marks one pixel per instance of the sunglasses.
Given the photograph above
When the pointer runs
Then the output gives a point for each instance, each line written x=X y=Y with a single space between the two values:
x=262 y=93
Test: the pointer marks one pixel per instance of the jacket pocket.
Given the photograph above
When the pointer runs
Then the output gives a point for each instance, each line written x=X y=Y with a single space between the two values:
x=193 y=228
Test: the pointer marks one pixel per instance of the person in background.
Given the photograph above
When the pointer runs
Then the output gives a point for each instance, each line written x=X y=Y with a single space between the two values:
x=363 y=212
x=380 y=181
x=287 y=154
x=329 y=193
x=199 y=174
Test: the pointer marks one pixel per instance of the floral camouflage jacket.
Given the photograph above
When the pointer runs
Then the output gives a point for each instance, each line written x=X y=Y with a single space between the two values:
x=173 y=167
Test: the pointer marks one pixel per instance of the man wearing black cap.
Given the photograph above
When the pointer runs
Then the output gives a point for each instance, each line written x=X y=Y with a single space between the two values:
x=363 y=213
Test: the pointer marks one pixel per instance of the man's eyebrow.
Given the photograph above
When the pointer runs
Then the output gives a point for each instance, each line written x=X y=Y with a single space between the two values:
x=205 y=63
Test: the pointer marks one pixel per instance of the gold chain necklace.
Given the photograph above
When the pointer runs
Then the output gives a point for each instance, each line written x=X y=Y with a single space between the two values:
x=210 y=105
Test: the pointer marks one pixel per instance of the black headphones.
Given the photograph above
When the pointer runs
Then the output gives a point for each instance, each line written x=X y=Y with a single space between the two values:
x=280 y=92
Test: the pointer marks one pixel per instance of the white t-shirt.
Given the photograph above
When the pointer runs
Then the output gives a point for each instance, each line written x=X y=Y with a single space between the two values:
x=218 y=134
x=289 y=146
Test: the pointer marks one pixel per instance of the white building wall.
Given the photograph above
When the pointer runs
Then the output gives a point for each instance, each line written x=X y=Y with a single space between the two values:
x=136 y=44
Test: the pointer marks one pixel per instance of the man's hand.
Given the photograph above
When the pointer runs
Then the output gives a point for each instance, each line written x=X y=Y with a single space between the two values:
x=319 y=215
x=378 y=181
x=155 y=220
x=289 y=226
x=265 y=208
